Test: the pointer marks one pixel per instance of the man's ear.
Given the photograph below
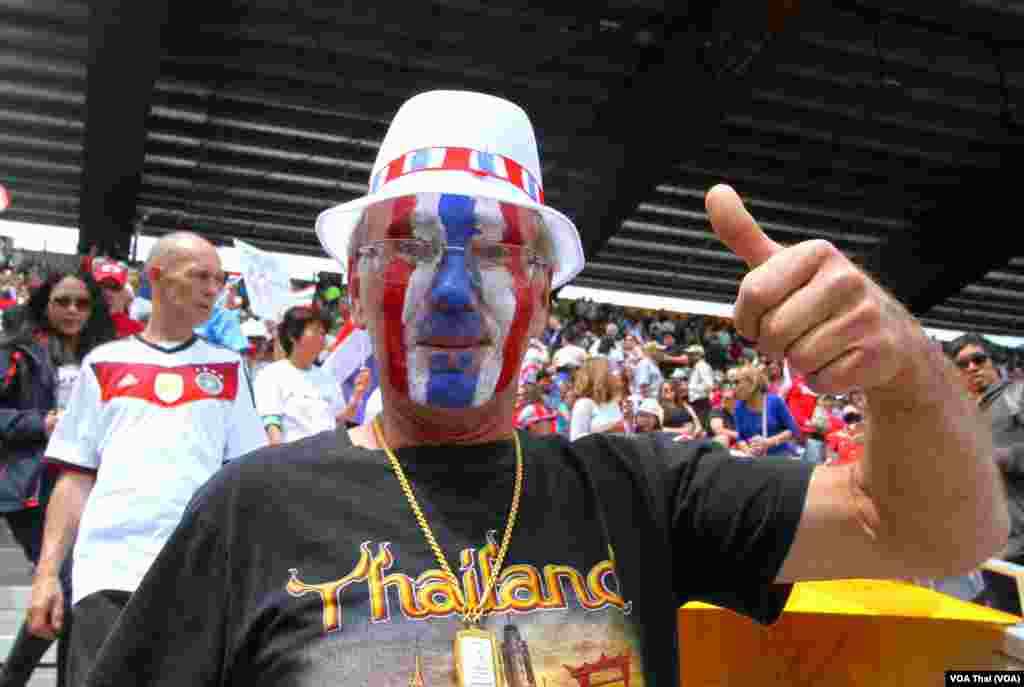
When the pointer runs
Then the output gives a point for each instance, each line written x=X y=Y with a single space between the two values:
x=355 y=308
x=539 y=322
x=355 y=304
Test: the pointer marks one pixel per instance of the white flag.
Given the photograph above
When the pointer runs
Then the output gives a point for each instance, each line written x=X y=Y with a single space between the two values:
x=266 y=281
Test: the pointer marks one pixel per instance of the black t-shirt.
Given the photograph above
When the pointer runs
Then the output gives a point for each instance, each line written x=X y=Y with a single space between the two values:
x=303 y=565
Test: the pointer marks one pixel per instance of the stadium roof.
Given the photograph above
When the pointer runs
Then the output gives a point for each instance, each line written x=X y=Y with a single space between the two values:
x=893 y=129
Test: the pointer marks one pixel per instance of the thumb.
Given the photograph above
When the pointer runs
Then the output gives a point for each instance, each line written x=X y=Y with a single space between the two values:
x=736 y=227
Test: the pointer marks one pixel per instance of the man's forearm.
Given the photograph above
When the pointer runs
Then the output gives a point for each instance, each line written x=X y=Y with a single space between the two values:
x=63 y=513
x=928 y=469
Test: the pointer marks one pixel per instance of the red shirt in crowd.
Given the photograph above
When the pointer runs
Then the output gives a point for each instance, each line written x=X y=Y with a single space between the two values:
x=846 y=445
x=801 y=401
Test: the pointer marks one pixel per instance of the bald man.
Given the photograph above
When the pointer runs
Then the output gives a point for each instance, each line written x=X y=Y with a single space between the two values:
x=159 y=412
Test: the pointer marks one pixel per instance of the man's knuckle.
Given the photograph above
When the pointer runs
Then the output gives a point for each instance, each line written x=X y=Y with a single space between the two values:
x=754 y=293
x=845 y=280
x=770 y=327
x=868 y=314
x=824 y=250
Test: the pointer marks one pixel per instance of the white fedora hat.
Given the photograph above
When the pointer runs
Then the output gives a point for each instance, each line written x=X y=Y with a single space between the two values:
x=462 y=143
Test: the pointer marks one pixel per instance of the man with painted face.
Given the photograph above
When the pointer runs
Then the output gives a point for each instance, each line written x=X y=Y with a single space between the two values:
x=437 y=544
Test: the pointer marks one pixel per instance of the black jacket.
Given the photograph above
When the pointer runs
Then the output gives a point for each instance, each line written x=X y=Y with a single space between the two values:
x=1003 y=403
x=28 y=389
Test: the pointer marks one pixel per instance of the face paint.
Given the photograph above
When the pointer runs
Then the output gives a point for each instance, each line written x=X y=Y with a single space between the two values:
x=458 y=292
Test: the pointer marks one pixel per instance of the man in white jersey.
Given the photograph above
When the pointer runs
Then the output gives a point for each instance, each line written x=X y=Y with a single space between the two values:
x=152 y=417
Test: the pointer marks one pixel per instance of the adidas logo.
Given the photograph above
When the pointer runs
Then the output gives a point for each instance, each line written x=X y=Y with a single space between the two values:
x=127 y=380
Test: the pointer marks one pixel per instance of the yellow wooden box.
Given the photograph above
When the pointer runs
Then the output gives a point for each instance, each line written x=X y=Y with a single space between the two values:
x=845 y=633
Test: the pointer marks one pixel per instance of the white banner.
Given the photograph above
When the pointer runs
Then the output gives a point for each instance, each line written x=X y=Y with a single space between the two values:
x=266 y=281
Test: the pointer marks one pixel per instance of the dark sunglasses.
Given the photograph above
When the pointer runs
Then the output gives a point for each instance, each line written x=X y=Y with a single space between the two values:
x=66 y=301
x=978 y=359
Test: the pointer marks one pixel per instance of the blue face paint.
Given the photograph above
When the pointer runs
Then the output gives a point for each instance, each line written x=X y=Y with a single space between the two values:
x=453 y=294
x=458 y=279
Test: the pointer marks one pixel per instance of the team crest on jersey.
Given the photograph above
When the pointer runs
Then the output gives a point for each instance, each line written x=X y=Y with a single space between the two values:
x=210 y=382
x=168 y=387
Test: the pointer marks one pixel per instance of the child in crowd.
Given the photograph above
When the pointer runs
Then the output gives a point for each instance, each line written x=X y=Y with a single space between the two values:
x=535 y=416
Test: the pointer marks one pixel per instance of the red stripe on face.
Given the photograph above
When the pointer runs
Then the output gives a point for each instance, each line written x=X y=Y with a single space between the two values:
x=515 y=342
x=395 y=283
x=513 y=224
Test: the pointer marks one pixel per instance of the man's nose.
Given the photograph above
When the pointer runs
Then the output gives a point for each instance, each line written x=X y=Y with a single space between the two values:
x=454 y=284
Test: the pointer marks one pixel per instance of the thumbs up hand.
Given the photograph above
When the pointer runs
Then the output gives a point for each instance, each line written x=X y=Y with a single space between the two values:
x=811 y=304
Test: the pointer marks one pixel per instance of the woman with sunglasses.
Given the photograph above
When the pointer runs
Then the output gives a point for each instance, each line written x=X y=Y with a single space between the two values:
x=65 y=318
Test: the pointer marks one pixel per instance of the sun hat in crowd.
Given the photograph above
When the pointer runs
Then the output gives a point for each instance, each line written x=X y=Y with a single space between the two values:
x=463 y=143
x=695 y=349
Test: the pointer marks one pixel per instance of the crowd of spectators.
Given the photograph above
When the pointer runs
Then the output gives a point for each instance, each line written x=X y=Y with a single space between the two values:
x=600 y=368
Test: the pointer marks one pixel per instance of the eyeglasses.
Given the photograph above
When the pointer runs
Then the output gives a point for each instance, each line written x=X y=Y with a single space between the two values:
x=487 y=255
x=67 y=301
x=978 y=359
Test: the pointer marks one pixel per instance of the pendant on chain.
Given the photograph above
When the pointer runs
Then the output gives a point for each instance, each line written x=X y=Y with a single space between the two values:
x=477 y=658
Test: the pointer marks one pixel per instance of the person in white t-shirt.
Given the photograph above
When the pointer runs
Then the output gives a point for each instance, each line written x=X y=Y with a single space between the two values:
x=151 y=418
x=294 y=396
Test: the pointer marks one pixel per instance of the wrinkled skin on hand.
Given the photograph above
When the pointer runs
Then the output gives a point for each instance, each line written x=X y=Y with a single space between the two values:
x=810 y=304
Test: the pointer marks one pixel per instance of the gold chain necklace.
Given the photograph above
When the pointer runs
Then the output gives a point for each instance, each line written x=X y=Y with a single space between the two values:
x=476 y=650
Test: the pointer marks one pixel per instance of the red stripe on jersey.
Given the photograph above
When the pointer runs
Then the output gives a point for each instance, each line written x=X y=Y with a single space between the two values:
x=167 y=386
x=61 y=466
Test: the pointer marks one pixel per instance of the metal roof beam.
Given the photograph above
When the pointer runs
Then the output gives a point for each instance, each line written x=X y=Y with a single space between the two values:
x=124 y=59
x=957 y=242
x=647 y=130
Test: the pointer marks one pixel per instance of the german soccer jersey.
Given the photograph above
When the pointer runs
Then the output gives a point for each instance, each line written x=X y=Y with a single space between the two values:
x=152 y=424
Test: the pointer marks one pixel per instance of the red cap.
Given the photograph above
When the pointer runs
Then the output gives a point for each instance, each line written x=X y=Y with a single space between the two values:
x=110 y=271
